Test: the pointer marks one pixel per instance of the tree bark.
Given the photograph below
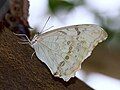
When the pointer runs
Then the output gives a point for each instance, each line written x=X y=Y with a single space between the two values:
x=19 y=72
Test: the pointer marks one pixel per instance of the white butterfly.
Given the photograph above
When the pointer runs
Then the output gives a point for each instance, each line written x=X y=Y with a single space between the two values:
x=64 y=49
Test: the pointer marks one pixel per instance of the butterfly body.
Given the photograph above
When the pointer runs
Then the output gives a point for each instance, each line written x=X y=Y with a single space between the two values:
x=64 y=49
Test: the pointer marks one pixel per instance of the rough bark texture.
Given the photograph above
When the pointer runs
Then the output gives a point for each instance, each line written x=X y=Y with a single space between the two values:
x=19 y=72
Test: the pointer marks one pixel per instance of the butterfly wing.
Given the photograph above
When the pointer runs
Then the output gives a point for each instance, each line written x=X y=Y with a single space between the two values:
x=64 y=49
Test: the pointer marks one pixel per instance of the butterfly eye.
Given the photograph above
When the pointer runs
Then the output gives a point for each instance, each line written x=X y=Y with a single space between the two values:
x=34 y=41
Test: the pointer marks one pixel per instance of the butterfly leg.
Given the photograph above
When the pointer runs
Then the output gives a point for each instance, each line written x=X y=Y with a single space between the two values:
x=24 y=36
x=32 y=54
x=24 y=41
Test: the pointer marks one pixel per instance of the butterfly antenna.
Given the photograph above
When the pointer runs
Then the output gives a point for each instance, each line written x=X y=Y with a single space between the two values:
x=49 y=28
x=45 y=23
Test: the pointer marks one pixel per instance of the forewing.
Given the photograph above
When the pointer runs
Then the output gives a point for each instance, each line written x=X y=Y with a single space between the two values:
x=64 y=49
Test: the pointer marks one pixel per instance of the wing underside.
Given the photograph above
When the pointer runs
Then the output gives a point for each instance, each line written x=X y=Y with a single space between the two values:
x=63 y=50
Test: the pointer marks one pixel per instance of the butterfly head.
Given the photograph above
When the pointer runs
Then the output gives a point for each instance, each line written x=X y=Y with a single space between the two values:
x=35 y=39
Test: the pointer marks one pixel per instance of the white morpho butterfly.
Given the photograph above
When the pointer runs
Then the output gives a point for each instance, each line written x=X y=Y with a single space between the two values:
x=64 y=49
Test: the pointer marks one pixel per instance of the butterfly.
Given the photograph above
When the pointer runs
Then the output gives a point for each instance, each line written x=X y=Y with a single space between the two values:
x=64 y=49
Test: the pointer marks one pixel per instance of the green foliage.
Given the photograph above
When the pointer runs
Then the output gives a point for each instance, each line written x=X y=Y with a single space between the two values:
x=55 y=5
x=66 y=5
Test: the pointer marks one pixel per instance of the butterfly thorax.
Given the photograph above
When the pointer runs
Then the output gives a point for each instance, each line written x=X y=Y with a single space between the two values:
x=37 y=38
